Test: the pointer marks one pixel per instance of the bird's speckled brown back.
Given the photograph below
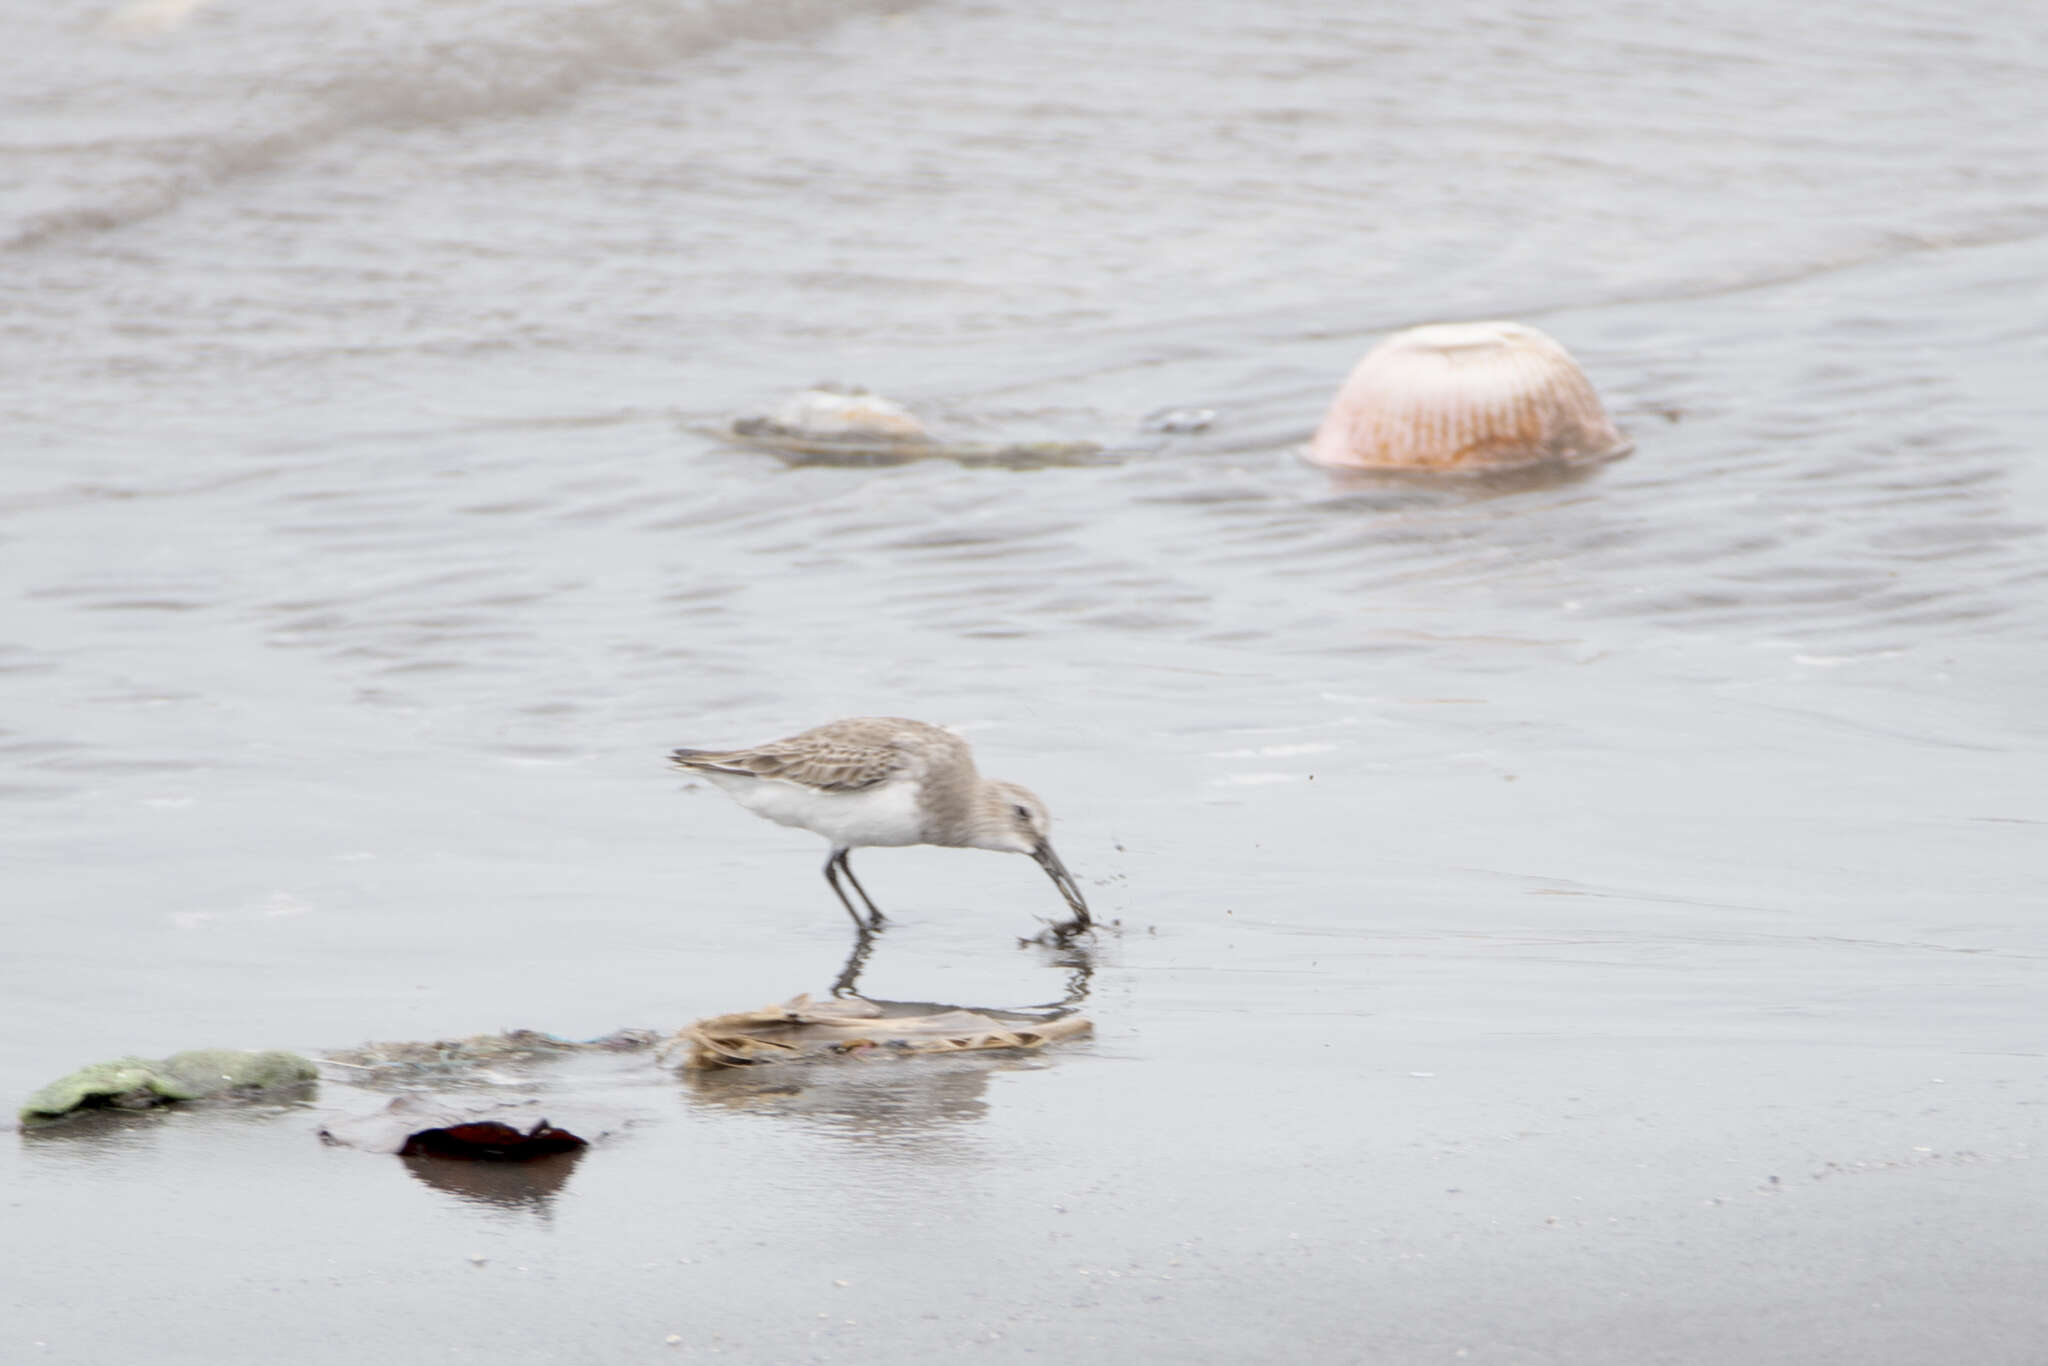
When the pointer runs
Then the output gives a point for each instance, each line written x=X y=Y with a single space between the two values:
x=858 y=753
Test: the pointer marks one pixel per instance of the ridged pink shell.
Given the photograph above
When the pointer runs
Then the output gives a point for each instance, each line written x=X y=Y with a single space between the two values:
x=1461 y=396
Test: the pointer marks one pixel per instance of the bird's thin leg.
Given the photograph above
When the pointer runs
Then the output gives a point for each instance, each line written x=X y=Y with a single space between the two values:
x=832 y=867
x=875 y=916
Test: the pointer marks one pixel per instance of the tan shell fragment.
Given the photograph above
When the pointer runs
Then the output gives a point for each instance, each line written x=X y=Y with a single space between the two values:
x=1466 y=396
x=803 y=1029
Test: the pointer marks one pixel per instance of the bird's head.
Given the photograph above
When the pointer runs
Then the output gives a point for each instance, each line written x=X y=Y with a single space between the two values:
x=1014 y=820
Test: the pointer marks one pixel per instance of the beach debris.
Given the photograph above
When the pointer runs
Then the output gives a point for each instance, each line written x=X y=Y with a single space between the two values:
x=494 y=1150
x=198 y=1074
x=1458 y=397
x=802 y=1030
x=474 y=1128
x=441 y=1059
x=848 y=425
x=490 y=1140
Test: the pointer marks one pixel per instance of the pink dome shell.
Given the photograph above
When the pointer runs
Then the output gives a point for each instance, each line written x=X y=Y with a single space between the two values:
x=1465 y=396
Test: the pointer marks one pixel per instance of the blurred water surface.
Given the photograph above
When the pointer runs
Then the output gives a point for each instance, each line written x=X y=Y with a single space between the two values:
x=1588 y=922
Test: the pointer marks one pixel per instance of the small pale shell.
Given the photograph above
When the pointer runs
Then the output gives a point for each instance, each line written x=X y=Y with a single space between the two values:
x=847 y=413
x=1466 y=396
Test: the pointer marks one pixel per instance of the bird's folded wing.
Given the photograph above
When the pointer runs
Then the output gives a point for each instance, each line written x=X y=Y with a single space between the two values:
x=829 y=768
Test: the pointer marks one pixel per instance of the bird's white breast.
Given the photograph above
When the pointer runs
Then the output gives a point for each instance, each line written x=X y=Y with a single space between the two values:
x=886 y=814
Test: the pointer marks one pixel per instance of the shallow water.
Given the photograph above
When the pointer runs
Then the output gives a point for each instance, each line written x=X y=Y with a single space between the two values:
x=1512 y=882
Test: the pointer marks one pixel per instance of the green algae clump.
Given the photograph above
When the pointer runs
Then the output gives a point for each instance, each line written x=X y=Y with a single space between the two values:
x=197 y=1074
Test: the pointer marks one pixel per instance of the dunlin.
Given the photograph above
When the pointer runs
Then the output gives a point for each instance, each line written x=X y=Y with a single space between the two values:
x=874 y=781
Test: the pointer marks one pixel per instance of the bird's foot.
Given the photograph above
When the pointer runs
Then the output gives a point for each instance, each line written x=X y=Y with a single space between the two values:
x=1059 y=935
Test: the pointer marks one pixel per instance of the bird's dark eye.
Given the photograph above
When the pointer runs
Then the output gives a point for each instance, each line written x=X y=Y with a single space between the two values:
x=1022 y=814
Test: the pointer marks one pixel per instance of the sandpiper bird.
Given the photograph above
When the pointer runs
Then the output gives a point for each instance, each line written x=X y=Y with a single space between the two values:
x=880 y=781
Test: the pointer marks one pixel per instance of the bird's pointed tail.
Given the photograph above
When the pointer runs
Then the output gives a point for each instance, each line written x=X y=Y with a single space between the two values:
x=703 y=760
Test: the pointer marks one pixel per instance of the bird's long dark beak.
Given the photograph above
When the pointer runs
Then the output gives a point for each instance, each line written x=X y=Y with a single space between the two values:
x=1063 y=880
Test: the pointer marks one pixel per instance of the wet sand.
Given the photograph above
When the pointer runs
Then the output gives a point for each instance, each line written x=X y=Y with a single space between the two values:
x=1589 y=923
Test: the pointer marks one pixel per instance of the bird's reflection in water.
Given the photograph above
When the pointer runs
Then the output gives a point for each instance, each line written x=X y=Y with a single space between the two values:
x=1077 y=959
x=893 y=1099
x=529 y=1187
